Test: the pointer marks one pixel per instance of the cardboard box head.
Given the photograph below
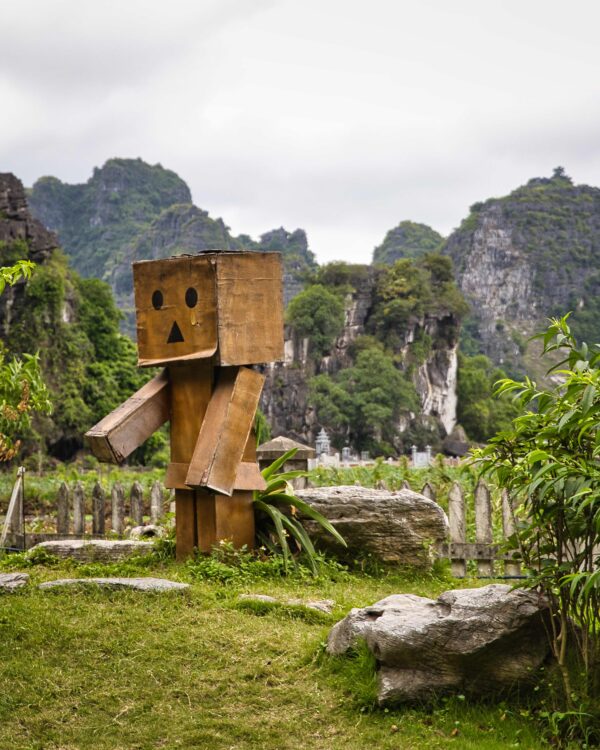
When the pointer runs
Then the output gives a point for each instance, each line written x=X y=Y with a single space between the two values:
x=225 y=305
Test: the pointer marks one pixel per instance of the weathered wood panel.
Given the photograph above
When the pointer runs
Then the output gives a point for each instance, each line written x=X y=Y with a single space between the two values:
x=225 y=430
x=458 y=528
x=483 y=526
x=98 y=509
x=62 y=509
x=118 y=508
x=131 y=423
x=78 y=509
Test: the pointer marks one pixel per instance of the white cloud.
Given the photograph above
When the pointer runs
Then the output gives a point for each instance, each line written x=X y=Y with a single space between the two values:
x=337 y=116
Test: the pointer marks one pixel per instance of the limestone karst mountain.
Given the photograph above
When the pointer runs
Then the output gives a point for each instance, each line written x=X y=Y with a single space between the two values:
x=522 y=258
x=129 y=210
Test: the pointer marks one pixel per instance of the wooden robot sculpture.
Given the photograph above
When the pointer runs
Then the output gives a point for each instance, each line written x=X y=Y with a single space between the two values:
x=205 y=318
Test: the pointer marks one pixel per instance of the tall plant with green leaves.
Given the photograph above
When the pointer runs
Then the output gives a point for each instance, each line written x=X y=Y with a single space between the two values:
x=22 y=389
x=549 y=461
x=281 y=528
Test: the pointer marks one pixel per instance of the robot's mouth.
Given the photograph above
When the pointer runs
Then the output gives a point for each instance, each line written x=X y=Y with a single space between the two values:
x=175 y=336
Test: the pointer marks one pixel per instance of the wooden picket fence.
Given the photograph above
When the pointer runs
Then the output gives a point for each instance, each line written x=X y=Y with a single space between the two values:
x=71 y=505
x=487 y=553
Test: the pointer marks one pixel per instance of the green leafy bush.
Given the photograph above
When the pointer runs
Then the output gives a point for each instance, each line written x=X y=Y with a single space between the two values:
x=548 y=461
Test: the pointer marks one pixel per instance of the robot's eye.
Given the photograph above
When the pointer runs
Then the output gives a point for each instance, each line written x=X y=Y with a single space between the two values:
x=157 y=299
x=191 y=297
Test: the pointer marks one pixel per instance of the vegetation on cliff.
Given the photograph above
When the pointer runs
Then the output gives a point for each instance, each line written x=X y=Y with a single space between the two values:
x=547 y=235
x=88 y=366
x=129 y=210
x=96 y=220
x=407 y=240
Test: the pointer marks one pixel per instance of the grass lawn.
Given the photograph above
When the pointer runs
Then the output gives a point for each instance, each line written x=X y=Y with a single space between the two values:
x=115 y=670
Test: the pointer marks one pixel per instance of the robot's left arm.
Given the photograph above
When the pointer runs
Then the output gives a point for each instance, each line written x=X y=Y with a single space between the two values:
x=225 y=430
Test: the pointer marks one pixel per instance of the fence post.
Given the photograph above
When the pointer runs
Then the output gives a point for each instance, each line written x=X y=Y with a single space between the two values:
x=483 y=527
x=136 y=498
x=156 y=501
x=428 y=492
x=456 y=518
x=14 y=523
x=62 y=509
x=98 y=498
x=79 y=509
x=118 y=508
x=509 y=528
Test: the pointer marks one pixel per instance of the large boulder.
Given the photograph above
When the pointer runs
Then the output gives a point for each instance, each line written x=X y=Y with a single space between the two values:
x=400 y=527
x=13 y=581
x=135 y=584
x=95 y=550
x=472 y=641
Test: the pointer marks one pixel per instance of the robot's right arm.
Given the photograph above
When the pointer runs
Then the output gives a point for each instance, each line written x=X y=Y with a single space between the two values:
x=131 y=423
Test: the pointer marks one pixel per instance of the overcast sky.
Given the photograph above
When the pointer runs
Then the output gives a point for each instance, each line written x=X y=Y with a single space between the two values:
x=338 y=116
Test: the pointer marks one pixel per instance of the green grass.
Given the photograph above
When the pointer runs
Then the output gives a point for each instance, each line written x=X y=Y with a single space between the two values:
x=114 y=670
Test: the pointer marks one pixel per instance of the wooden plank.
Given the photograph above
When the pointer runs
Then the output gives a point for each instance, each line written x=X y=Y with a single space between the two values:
x=250 y=308
x=428 y=492
x=98 y=507
x=176 y=309
x=191 y=388
x=225 y=430
x=472 y=551
x=78 y=509
x=186 y=527
x=62 y=509
x=206 y=521
x=511 y=568
x=483 y=526
x=235 y=519
x=130 y=424
x=118 y=508
x=457 y=522
x=156 y=501
x=136 y=503
x=14 y=523
x=248 y=477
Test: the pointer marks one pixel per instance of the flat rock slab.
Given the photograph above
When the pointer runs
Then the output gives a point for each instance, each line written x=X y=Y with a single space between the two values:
x=13 y=581
x=137 y=584
x=95 y=550
x=322 y=605
x=474 y=641
x=400 y=527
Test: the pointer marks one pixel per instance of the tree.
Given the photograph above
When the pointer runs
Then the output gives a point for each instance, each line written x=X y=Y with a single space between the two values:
x=319 y=314
x=363 y=404
x=548 y=461
x=22 y=390
x=478 y=411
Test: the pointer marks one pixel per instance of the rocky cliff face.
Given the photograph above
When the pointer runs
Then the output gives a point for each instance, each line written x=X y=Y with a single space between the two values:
x=21 y=237
x=129 y=210
x=525 y=257
x=286 y=400
x=73 y=324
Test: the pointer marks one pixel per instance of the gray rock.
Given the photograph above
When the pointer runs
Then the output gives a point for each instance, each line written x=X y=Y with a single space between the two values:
x=322 y=605
x=12 y=581
x=95 y=550
x=401 y=527
x=474 y=641
x=137 y=584
x=257 y=598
